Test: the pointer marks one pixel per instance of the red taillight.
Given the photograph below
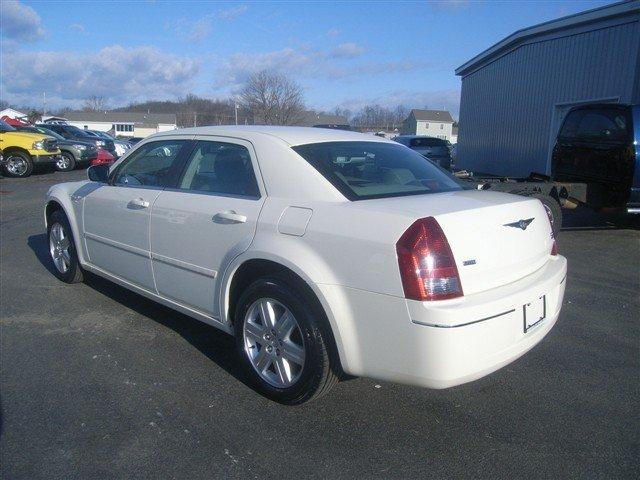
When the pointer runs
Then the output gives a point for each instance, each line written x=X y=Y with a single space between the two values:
x=427 y=267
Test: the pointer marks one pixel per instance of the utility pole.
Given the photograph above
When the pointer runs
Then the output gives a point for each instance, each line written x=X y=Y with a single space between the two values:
x=44 y=103
x=236 y=110
x=195 y=119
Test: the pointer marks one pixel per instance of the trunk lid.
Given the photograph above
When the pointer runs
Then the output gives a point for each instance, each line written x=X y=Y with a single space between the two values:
x=490 y=244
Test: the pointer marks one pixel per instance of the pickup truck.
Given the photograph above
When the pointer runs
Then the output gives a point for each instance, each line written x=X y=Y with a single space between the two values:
x=595 y=162
x=21 y=151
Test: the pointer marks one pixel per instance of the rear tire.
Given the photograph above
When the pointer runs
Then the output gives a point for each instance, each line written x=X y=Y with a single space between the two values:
x=17 y=164
x=265 y=352
x=553 y=207
x=65 y=163
x=62 y=249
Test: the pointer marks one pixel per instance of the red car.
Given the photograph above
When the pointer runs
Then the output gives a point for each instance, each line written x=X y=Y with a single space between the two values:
x=103 y=158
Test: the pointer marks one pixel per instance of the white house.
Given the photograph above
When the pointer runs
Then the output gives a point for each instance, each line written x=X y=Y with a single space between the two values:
x=11 y=113
x=432 y=123
x=126 y=124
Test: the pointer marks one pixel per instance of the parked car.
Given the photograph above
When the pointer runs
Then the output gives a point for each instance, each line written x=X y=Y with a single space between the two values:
x=121 y=146
x=71 y=132
x=23 y=150
x=435 y=149
x=133 y=140
x=103 y=158
x=599 y=145
x=74 y=153
x=323 y=251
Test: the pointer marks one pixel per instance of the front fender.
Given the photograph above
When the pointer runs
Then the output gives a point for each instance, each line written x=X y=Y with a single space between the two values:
x=70 y=197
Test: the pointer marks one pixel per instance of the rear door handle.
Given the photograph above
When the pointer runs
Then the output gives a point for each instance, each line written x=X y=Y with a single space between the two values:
x=138 y=203
x=229 y=216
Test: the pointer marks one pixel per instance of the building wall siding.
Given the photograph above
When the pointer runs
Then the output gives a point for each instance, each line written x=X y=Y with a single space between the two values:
x=433 y=129
x=511 y=108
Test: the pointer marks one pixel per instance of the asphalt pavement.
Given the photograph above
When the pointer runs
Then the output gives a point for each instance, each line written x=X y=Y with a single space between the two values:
x=97 y=382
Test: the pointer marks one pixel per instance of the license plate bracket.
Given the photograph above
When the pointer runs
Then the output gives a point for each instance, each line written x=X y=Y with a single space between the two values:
x=534 y=312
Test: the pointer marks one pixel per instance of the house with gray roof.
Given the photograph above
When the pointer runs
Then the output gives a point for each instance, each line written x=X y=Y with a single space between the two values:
x=432 y=123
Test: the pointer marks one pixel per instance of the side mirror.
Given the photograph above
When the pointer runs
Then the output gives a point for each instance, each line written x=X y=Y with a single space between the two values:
x=98 y=173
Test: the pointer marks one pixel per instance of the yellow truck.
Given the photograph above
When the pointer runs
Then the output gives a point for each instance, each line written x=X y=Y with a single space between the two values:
x=21 y=151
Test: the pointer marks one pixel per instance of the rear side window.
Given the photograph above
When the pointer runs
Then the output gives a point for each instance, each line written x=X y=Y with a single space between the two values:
x=603 y=125
x=570 y=125
x=428 y=142
x=220 y=168
x=364 y=170
x=150 y=165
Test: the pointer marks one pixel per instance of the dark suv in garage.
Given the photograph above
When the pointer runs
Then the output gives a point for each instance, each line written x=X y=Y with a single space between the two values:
x=599 y=146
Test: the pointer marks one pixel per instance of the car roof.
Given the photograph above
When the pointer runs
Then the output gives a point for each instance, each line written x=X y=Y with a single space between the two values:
x=289 y=135
x=418 y=136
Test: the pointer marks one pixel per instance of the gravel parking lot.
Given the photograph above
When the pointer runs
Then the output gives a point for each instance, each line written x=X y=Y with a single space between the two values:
x=98 y=382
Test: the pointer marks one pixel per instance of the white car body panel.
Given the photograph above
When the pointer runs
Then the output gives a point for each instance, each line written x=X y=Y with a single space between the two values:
x=172 y=252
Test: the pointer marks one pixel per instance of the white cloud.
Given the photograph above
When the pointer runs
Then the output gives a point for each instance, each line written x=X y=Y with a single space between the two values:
x=304 y=63
x=347 y=50
x=78 y=28
x=449 y=4
x=192 y=31
x=20 y=22
x=195 y=31
x=120 y=74
x=231 y=13
x=333 y=32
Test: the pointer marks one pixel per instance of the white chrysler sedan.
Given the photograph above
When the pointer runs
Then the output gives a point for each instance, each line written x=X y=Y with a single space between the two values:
x=323 y=252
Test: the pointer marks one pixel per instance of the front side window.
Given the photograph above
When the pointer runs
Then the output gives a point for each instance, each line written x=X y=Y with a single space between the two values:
x=150 y=165
x=220 y=168
x=364 y=170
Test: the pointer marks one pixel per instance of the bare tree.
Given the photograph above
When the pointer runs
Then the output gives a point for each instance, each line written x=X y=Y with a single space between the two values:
x=273 y=98
x=94 y=104
x=34 y=116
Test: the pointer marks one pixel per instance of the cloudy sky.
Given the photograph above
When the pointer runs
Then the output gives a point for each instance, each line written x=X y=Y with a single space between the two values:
x=343 y=54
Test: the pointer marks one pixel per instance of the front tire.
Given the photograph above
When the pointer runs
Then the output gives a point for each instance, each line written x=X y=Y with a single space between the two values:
x=17 y=164
x=62 y=249
x=282 y=342
x=65 y=163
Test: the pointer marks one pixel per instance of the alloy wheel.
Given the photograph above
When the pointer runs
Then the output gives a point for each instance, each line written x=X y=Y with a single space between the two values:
x=59 y=244
x=273 y=342
x=62 y=162
x=16 y=166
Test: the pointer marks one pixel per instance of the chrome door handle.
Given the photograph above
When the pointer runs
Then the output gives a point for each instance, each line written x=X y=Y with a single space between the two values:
x=138 y=203
x=229 y=216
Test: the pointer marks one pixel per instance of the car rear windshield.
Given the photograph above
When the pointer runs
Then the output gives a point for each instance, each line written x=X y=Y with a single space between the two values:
x=427 y=142
x=364 y=170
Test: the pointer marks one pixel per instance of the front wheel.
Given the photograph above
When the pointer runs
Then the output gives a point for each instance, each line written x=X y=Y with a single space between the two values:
x=17 y=164
x=65 y=162
x=283 y=342
x=62 y=249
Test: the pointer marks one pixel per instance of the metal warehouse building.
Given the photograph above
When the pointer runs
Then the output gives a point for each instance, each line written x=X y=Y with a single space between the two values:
x=516 y=93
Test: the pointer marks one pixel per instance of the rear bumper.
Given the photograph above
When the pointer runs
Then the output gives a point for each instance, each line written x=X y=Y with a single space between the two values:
x=447 y=343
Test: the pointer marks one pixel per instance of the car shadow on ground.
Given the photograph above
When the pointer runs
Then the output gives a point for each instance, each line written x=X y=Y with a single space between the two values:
x=215 y=344
x=583 y=218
